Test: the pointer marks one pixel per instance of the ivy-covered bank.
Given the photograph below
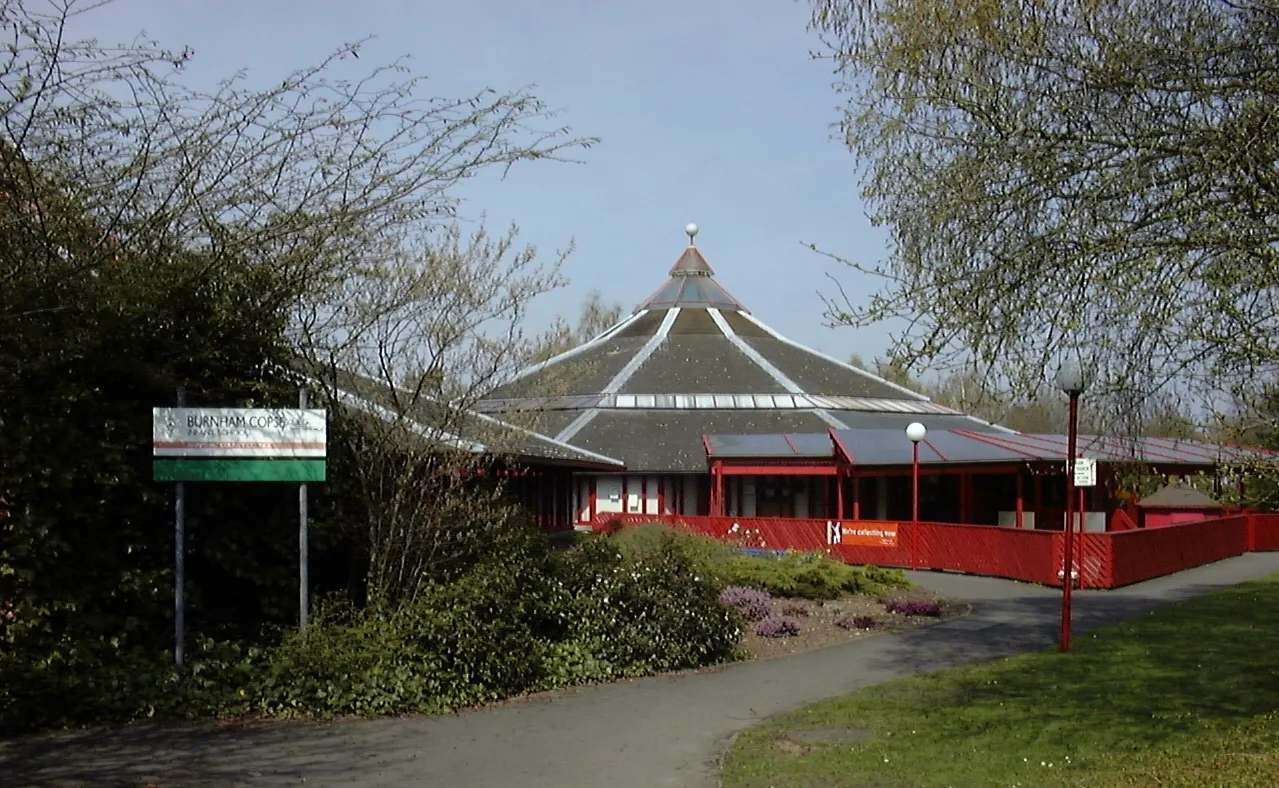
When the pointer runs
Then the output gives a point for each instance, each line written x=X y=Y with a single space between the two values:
x=523 y=618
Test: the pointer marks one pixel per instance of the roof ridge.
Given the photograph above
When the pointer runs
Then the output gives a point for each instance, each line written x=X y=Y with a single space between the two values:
x=778 y=336
x=766 y=365
x=624 y=374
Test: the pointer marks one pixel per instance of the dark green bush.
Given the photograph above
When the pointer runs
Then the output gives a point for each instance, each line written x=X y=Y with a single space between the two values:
x=88 y=682
x=520 y=619
x=811 y=576
x=481 y=637
x=650 y=611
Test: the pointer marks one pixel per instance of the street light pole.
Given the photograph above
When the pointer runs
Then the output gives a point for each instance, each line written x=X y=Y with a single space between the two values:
x=1070 y=380
x=916 y=432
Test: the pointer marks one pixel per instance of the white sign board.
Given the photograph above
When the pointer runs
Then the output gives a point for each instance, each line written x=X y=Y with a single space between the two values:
x=238 y=432
x=1085 y=472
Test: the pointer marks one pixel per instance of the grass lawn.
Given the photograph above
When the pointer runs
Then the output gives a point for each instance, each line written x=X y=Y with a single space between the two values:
x=1186 y=697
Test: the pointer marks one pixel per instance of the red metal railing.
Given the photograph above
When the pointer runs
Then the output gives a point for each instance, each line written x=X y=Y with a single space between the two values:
x=1263 y=532
x=1104 y=560
x=1145 y=553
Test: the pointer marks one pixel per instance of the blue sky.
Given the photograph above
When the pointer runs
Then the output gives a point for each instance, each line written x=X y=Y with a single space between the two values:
x=708 y=111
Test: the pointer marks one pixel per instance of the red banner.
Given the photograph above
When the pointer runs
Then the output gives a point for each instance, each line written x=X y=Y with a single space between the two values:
x=869 y=534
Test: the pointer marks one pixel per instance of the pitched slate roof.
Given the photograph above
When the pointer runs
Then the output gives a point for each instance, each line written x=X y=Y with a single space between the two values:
x=465 y=430
x=652 y=441
x=692 y=360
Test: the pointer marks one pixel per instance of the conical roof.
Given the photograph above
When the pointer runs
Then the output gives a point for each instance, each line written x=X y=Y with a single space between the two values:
x=691 y=360
x=692 y=285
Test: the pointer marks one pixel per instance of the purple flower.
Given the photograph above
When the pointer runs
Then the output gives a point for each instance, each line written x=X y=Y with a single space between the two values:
x=856 y=622
x=753 y=605
x=912 y=607
x=795 y=609
x=777 y=627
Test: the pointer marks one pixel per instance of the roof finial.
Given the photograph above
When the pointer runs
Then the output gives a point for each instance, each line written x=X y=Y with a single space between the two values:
x=690 y=230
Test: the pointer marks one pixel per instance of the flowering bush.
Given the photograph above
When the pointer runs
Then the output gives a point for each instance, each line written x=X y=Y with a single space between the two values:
x=649 y=611
x=796 y=609
x=753 y=605
x=777 y=627
x=856 y=622
x=912 y=607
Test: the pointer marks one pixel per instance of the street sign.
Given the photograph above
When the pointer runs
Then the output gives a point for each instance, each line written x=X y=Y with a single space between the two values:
x=1085 y=472
x=238 y=432
x=236 y=445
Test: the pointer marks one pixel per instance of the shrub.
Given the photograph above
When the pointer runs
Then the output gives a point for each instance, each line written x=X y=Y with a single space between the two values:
x=522 y=619
x=708 y=555
x=574 y=662
x=810 y=576
x=856 y=622
x=907 y=607
x=89 y=682
x=794 y=609
x=652 y=611
x=482 y=637
x=777 y=627
x=753 y=605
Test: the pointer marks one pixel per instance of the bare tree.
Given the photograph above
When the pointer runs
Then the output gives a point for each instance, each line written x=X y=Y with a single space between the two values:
x=337 y=179
x=596 y=317
x=1069 y=176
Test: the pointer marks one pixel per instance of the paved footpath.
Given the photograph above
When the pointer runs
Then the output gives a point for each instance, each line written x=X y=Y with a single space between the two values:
x=651 y=733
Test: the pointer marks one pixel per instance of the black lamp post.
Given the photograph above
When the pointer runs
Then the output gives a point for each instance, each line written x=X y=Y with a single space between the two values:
x=1070 y=379
x=916 y=432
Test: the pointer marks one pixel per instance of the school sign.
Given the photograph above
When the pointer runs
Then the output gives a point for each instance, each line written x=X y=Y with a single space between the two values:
x=238 y=444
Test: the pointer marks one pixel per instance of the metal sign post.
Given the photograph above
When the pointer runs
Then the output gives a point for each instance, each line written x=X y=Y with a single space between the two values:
x=179 y=561
x=304 y=582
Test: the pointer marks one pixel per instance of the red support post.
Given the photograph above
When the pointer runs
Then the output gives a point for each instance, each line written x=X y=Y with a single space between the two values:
x=717 y=490
x=1020 y=517
x=857 y=498
x=839 y=496
x=1067 y=578
x=1039 y=501
x=914 y=511
x=591 y=489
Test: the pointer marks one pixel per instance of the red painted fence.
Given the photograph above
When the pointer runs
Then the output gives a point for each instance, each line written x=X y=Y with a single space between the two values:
x=1263 y=532
x=1105 y=560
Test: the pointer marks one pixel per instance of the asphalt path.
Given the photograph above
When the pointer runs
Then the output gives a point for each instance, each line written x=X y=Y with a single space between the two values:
x=650 y=733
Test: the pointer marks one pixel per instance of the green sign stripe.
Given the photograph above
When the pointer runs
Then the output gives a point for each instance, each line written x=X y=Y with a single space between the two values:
x=251 y=470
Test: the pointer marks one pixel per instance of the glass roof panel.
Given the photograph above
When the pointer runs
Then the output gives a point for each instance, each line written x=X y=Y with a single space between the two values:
x=813 y=444
x=692 y=291
x=957 y=448
x=750 y=446
x=876 y=447
x=665 y=296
